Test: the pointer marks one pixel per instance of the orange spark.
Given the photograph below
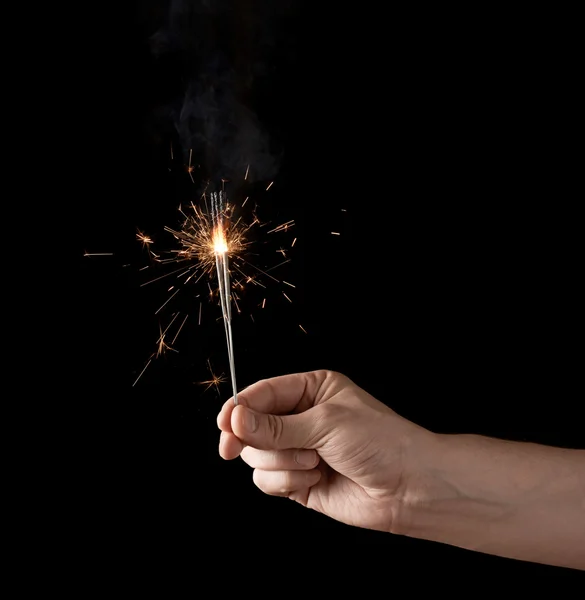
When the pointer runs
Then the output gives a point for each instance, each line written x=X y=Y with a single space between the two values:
x=181 y=327
x=143 y=370
x=214 y=381
x=142 y=237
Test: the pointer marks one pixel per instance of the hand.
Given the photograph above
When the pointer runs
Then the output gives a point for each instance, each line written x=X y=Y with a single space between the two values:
x=320 y=440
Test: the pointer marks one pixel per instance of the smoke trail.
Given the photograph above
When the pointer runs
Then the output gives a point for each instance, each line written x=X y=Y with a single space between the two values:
x=223 y=47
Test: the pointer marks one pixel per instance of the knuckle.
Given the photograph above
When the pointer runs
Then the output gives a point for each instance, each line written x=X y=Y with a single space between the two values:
x=330 y=416
x=275 y=426
x=328 y=375
x=326 y=412
x=285 y=482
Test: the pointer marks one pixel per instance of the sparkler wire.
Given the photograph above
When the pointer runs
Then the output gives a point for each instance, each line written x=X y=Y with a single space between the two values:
x=223 y=278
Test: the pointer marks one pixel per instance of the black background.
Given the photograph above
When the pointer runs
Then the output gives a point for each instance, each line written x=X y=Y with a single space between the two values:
x=450 y=295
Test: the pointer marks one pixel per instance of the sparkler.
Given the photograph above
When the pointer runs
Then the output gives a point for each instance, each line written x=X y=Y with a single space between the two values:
x=223 y=277
x=213 y=244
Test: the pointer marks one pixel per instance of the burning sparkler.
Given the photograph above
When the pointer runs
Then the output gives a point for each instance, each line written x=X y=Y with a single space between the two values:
x=213 y=244
x=223 y=277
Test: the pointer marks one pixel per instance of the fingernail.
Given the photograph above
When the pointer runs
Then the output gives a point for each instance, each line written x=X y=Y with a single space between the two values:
x=305 y=458
x=250 y=421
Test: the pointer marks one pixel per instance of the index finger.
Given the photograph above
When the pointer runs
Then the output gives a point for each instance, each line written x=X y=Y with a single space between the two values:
x=279 y=395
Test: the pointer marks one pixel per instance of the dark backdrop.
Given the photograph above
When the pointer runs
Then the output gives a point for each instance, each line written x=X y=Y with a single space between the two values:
x=450 y=294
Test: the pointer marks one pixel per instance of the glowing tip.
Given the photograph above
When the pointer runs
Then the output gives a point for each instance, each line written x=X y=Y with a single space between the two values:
x=219 y=242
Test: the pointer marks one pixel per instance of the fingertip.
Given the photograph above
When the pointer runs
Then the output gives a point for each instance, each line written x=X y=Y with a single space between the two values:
x=230 y=446
x=224 y=416
x=236 y=420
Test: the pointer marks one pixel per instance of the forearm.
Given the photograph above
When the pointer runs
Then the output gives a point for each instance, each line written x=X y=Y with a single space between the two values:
x=512 y=499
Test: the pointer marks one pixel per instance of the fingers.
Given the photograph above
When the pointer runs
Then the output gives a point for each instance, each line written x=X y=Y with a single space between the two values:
x=280 y=395
x=280 y=460
x=276 y=432
x=230 y=446
x=225 y=415
x=284 y=483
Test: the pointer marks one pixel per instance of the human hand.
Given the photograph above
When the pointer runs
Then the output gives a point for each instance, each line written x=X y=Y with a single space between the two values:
x=322 y=441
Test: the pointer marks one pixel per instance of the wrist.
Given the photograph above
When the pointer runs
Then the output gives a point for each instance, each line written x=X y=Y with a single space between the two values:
x=443 y=498
x=420 y=484
x=512 y=499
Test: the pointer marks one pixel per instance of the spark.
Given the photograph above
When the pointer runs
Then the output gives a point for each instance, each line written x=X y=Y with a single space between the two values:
x=98 y=254
x=172 y=157
x=190 y=168
x=142 y=372
x=211 y=242
x=269 y=185
x=343 y=210
x=167 y=328
x=293 y=242
x=263 y=272
x=181 y=327
x=167 y=301
x=287 y=283
x=162 y=345
x=201 y=239
x=146 y=240
x=161 y=277
x=282 y=227
x=303 y=328
x=278 y=265
x=214 y=381
x=335 y=233
x=235 y=298
x=246 y=175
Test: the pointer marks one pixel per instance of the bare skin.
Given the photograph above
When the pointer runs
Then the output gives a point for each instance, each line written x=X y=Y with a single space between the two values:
x=322 y=441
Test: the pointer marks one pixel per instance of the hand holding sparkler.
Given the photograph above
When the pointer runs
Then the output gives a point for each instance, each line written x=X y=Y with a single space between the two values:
x=319 y=439
x=284 y=426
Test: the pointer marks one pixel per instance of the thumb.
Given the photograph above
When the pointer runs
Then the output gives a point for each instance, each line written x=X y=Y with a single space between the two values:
x=274 y=432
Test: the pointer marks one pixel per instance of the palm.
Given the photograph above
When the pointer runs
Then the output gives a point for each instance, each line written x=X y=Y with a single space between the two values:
x=344 y=500
x=359 y=473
